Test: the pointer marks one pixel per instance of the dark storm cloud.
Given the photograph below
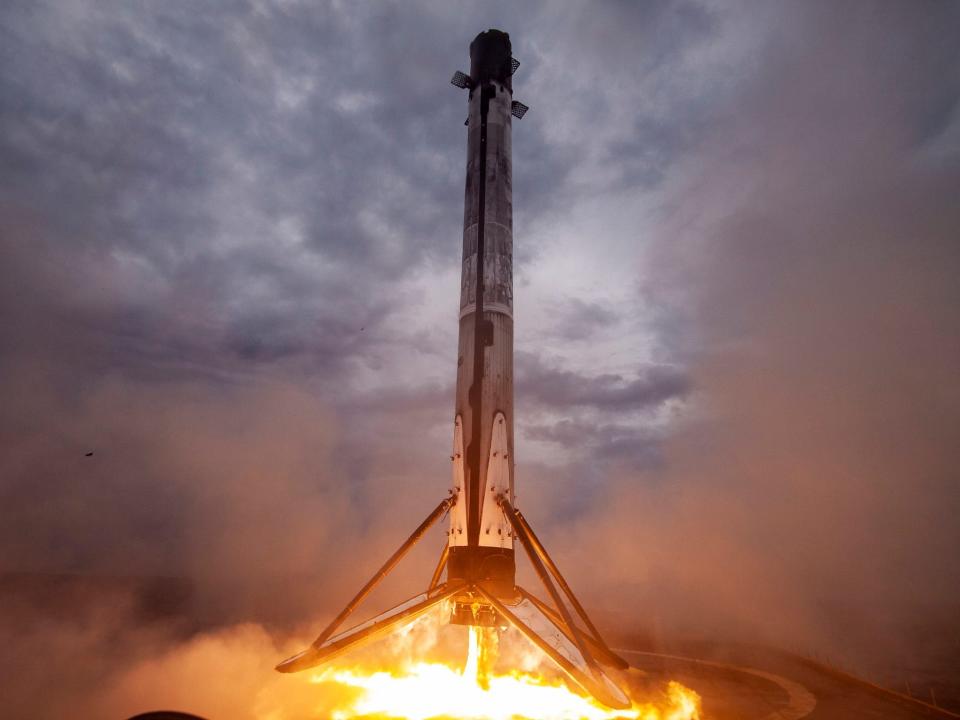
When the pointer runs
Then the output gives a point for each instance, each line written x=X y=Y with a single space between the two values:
x=257 y=163
x=603 y=442
x=174 y=141
x=543 y=385
x=142 y=144
x=579 y=319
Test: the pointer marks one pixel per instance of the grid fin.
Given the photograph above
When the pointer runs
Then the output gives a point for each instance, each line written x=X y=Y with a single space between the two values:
x=518 y=109
x=514 y=64
x=460 y=80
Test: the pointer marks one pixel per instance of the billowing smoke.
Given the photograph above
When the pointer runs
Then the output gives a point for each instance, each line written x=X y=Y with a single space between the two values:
x=808 y=497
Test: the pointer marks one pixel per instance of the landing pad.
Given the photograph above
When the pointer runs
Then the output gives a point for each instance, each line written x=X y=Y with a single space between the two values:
x=770 y=686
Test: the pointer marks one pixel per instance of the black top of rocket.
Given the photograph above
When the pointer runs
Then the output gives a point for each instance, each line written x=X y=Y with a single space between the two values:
x=491 y=58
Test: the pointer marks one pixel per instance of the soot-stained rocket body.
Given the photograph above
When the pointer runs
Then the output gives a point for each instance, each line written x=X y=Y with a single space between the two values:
x=481 y=540
x=478 y=556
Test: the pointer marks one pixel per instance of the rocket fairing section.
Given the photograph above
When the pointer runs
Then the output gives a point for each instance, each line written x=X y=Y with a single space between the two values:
x=484 y=527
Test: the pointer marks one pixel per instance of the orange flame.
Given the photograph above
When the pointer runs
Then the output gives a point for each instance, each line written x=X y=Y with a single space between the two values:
x=433 y=690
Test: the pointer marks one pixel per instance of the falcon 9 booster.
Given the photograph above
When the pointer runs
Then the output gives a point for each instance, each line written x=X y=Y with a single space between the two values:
x=480 y=538
x=479 y=553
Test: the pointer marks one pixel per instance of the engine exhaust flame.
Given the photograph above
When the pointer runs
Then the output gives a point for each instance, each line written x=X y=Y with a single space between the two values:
x=434 y=690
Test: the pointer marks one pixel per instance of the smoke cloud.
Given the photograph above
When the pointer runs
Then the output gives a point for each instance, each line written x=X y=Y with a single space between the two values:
x=808 y=496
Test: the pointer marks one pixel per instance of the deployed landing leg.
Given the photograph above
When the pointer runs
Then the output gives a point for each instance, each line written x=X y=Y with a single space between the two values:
x=578 y=651
x=326 y=646
x=570 y=647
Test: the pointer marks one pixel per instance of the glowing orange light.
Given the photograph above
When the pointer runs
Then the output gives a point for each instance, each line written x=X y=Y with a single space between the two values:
x=431 y=690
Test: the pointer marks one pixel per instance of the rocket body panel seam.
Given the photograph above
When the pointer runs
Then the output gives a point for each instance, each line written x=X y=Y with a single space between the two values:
x=491 y=308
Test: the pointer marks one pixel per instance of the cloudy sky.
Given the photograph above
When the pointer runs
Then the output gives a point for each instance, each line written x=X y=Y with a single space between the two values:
x=230 y=238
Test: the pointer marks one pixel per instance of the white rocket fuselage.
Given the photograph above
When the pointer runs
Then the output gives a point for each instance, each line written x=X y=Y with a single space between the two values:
x=480 y=536
x=480 y=586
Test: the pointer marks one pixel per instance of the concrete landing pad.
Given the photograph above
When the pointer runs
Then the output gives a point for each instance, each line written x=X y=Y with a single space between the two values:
x=772 y=687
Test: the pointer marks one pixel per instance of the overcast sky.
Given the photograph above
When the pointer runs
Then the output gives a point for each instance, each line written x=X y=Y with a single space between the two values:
x=230 y=238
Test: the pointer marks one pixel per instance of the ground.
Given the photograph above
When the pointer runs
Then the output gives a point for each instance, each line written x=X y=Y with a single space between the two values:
x=753 y=684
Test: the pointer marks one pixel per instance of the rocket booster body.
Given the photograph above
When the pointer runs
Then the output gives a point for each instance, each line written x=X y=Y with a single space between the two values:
x=480 y=536
x=480 y=587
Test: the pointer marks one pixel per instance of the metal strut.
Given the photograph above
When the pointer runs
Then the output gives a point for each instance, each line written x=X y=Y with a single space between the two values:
x=599 y=647
x=544 y=575
x=368 y=631
x=549 y=651
x=567 y=590
x=441 y=564
x=381 y=573
x=593 y=684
